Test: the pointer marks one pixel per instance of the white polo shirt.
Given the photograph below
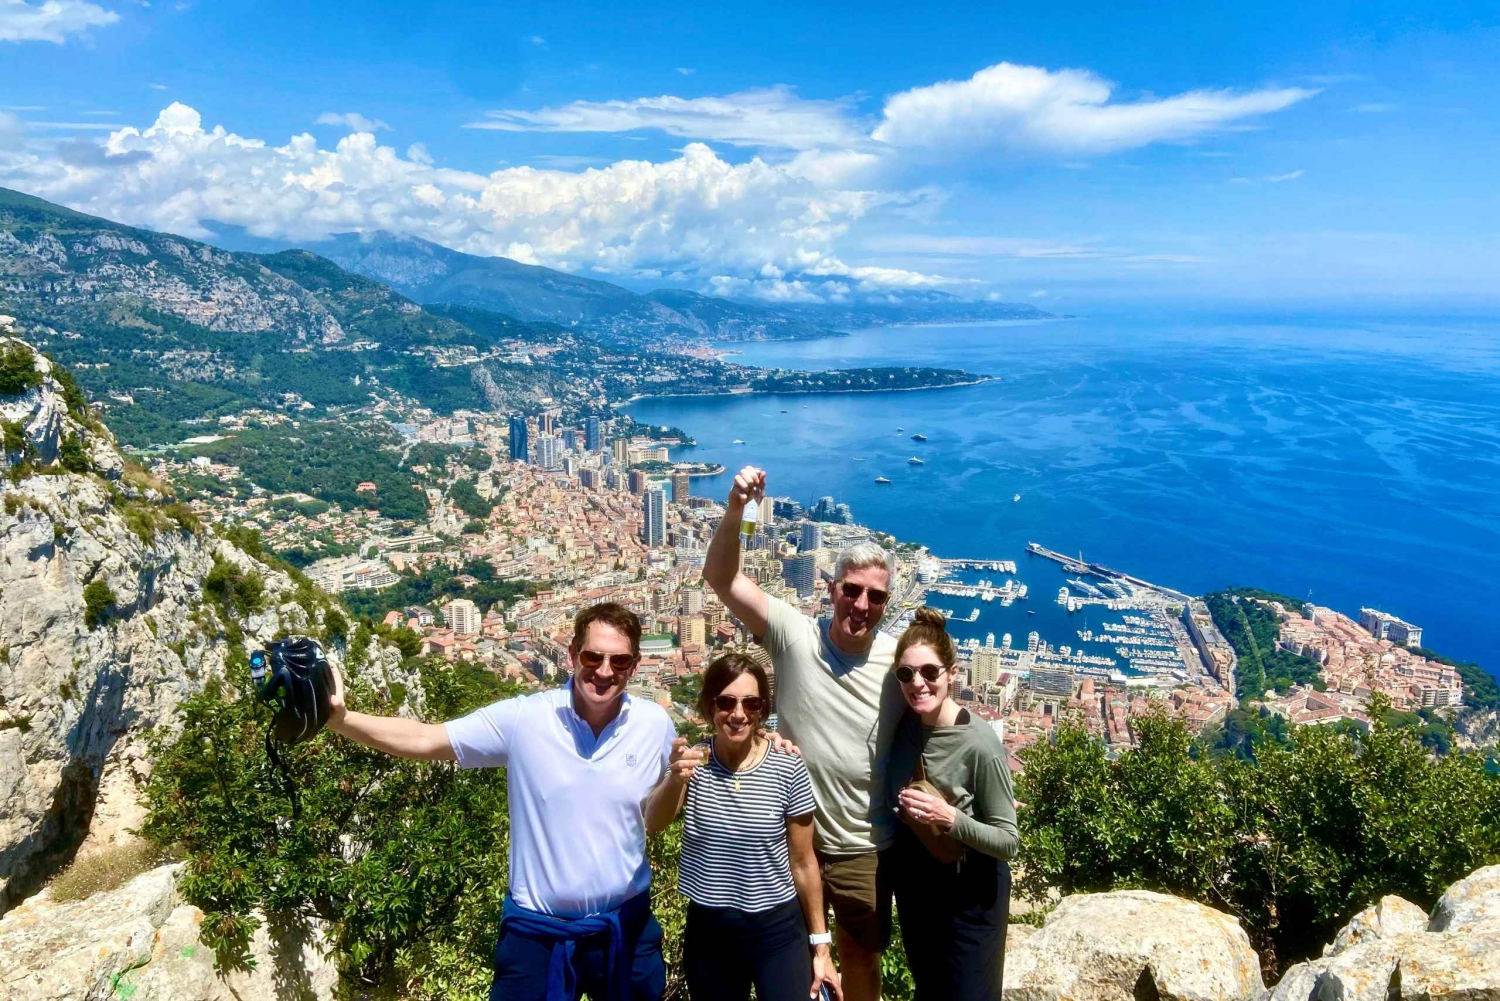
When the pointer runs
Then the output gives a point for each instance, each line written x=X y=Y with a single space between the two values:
x=577 y=827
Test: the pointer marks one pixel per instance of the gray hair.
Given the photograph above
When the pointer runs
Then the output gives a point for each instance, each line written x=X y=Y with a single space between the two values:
x=862 y=555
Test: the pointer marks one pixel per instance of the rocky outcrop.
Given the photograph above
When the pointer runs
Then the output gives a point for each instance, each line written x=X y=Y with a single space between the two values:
x=1388 y=952
x=1131 y=944
x=1471 y=904
x=104 y=628
x=141 y=942
x=1390 y=917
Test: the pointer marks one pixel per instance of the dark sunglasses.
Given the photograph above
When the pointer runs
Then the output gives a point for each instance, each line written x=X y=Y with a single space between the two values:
x=593 y=660
x=852 y=591
x=931 y=672
x=752 y=703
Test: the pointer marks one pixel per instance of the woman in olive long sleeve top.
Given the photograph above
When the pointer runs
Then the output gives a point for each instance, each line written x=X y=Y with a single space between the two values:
x=948 y=774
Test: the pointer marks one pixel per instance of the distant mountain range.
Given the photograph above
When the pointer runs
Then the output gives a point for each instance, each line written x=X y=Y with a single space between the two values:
x=171 y=335
x=429 y=273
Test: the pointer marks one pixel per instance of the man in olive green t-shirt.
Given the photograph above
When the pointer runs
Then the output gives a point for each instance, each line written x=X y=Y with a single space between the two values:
x=837 y=700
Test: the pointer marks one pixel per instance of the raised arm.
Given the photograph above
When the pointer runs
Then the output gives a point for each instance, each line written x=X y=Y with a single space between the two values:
x=721 y=566
x=395 y=735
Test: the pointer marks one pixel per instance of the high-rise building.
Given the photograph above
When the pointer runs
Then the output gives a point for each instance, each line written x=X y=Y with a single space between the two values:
x=692 y=600
x=620 y=449
x=570 y=439
x=986 y=668
x=654 y=525
x=1056 y=681
x=681 y=487
x=547 y=421
x=800 y=572
x=462 y=616
x=570 y=465
x=589 y=478
x=690 y=630
x=637 y=482
x=591 y=440
x=519 y=439
x=548 y=452
x=812 y=537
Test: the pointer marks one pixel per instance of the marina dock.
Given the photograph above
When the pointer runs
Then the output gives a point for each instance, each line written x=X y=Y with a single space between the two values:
x=1079 y=566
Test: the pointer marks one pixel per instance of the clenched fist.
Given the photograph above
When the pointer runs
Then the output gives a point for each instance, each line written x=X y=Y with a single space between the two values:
x=749 y=486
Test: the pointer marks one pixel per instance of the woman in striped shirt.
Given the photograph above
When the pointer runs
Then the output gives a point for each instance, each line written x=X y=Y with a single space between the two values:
x=748 y=868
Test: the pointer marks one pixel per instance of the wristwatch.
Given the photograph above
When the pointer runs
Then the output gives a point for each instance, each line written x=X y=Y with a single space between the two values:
x=821 y=938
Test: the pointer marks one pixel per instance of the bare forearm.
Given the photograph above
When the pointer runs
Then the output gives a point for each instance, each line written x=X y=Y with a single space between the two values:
x=663 y=803
x=396 y=735
x=722 y=561
x=809 y=883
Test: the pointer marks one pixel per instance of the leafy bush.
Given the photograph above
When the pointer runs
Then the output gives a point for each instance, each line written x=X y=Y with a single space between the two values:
x=415 y=903
x=1293 y=844
x=72 y=456
x=98 y=599
x=18 y=371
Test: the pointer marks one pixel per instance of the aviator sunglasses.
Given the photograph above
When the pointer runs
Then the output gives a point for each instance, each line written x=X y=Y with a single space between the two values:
x=593 y=660
x=931 y=672
x=852 y=591
x=726 y=704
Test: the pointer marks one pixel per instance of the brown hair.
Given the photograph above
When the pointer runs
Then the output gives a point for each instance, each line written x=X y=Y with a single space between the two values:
x=721 y=674
x=930 y=629
x=611 y=614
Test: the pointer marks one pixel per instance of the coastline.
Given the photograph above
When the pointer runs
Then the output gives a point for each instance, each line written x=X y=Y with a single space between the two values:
x=980 y=380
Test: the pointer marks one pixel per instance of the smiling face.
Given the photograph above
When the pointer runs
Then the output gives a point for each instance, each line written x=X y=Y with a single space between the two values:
x=922 y=695
x=598 y=686
x=737 y=726
x=856 y=619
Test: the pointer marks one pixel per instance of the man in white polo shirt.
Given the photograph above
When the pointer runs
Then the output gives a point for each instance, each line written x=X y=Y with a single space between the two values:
x=582 y=759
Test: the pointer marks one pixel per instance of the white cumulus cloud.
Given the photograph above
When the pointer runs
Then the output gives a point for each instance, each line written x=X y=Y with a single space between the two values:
x=771 y=117
x=697 y=213
x=351 y=120
x=51 y=20
x=1030 y=108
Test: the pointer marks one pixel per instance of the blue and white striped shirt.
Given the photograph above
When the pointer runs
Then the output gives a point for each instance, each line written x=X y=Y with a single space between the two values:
x=734 y=848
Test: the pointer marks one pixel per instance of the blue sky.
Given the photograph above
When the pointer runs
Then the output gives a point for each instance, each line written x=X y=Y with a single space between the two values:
x=1071 y=154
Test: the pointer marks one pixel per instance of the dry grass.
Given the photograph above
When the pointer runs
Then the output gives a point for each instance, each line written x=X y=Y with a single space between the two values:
x=137 y=477
x=108 y=869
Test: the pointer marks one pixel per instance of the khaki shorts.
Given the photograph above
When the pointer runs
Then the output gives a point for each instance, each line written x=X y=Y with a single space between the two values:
x=859 y=890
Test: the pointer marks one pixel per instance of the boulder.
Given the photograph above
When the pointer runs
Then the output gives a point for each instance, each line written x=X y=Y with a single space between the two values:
x=1416 y=966
x=1471 y=904
x=1390 y=917
x=1133 y=944
x=141 y=942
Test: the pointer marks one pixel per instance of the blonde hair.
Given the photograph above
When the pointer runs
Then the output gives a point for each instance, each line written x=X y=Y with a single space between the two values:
x=930 y=629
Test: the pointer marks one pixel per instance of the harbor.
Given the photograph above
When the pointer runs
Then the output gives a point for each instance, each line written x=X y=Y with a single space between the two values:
x=1103 y=624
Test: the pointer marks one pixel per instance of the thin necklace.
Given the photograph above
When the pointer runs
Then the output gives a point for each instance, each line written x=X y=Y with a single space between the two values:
x=736 y=771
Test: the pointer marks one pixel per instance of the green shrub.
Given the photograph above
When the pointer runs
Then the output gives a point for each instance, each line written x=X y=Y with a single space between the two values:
x=18 y=371
x=72 y=456
x=1293 y=843
x=98 y=599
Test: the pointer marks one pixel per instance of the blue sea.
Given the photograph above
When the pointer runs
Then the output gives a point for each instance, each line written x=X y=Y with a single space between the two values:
x=1353 y=462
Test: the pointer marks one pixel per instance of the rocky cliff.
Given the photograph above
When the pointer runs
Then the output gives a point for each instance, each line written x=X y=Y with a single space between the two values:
x=107 y=619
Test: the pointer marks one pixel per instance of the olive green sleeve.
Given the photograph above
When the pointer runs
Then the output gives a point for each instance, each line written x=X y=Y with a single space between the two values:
x=992 y=829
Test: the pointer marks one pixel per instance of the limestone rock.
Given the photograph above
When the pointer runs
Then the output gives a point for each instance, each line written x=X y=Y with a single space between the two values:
x=141 y=941
x=1471 y=904
x=1389 y=917
x=1117 y=946
x=75 y=696
x=1415 y=966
